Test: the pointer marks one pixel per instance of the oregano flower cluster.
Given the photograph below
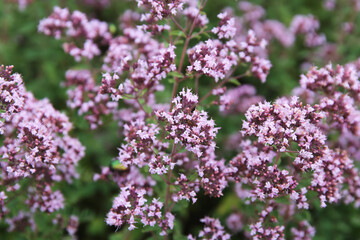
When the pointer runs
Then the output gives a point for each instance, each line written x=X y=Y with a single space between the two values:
x=171 y=82
x=75 y=26
x=36 y=147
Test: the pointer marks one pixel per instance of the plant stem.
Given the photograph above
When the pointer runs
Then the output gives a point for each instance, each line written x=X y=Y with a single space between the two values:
x=186 y=45
x=167 y=197
x=178 y=25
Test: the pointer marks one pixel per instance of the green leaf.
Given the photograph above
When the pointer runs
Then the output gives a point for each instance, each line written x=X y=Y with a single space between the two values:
x=234 y=81
x=291 y=155
x=171 y=80
x=147 y=109
x=143 y=92
x=146 y=229
x=156 y=151
x=176 y=74
x=177 y=33
x=227 y=204
x=141 y=101
x=127 y=97
x=283 y=200
x=197 y=37
x=177 y=231
x=178 y=42
x=206 y=34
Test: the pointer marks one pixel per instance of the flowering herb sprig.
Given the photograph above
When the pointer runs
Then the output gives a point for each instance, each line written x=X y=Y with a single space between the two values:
x=176 y=141
x=36 y=147
x=287 y=160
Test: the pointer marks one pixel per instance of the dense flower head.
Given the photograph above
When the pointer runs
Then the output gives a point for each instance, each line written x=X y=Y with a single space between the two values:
x=281 y=183
x=282 y=122
x=108 y=85
x=145 y=66
x=336 y=90
x=329 y=4
x=234 y=222
x=304 y=231
x=188 y=189
x=192 y=12
x=168 y=150
x=72 y=225
x=12 y=94
x=226 y=28
x=351 y=194
x=37 y=127
x=249 y=52
x=160 y=9
x=253 y=15
x=126 y=207
x=260 y=68
x=56 y=24
x=260 y=230
x=143 y=148
x=269 y=29
x=153 y=216
x=254 y=18
x=328 y=176
x=215 y=58
x=85 y=96
x=189 y=127
x=251 y=155
x=212 y=230
x=251 y=12
x=213 y=173
x=308 y=25
x=329 y=167
x=147 y=73
x=46 y=200
x=20 y=221
x=341 y=112
x=212 y=58
x=304 y=24
x=62 y=23
x=37 y=146
x=130 y=207
x=196 y=133
x=44 y=133
x=123 y=50
x=330 y=80
x=254 y=167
